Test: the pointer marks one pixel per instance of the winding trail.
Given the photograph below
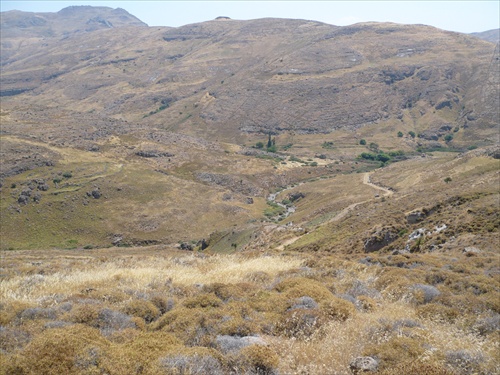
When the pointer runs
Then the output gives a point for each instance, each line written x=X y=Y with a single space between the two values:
x=346 y=210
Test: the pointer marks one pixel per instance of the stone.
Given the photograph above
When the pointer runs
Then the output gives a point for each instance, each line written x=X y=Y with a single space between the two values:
x=363 y=364
x=380 y=239
x=229 y=344
x=415 y=217
x=96 y=194
x=471 y=251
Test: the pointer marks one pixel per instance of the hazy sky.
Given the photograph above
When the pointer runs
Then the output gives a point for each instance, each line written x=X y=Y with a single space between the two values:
x=463 y=16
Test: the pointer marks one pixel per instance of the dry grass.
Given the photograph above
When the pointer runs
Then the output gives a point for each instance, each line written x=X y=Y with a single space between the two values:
x=315 y=313
x=141 y=274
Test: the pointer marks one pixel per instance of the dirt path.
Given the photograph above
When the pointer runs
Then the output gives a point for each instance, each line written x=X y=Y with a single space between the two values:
x=346 y=210
x=366 y=181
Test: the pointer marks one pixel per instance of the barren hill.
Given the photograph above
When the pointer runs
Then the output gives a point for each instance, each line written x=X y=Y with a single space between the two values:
x=137 y=135
x=226 y=78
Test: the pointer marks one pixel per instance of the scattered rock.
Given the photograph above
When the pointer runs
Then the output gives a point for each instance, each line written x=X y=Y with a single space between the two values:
x=304 y=302
x=203 y=244
x=186 y=246
x=471 y=251
x=117 y=239
x=96 y=194
x=228 y=343
x=363 y=364
x=154 y=154
x=379 y=239
x=415 y=217
x=24 y=196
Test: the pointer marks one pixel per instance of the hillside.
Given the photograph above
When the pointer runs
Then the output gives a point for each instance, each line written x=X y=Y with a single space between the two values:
x=489 y=35
x=261 y=197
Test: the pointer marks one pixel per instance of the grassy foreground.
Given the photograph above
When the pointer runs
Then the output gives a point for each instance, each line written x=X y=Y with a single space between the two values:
x=161 y=311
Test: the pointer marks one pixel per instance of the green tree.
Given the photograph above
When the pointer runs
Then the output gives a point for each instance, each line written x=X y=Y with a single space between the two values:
x=362 y=142
x=412 y=134
x=400 y=134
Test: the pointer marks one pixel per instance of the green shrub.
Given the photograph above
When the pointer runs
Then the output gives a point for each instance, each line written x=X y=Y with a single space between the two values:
x=362 y=142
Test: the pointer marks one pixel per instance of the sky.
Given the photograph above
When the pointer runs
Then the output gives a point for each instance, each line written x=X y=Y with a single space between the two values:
x=463 y=16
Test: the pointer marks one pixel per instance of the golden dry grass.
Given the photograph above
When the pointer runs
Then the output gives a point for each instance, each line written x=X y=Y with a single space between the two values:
x=106 y=304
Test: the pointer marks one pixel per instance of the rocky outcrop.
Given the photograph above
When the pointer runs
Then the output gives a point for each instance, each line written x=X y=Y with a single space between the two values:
x=380 y=238
x=234 y=183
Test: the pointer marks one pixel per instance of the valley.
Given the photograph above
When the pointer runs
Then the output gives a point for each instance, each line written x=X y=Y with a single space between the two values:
x=247 y=197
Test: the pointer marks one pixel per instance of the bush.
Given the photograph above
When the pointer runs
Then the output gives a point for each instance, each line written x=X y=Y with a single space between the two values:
x=465 y=362
x=368 y=156
x=338 y=309
x=56 y=351
x=203 y=300
x=38 y=313
x=260 y=359
x=259 y=145
x=425 y=293
x=435 y=311
x=196 y=364
x=391 y=352
x=300 y=322
x=448 y=137
x=13 y=339
x=362 y=142
x=85 y=314
x=142 y=309
x=67 y=175
x=412 y=134
x=400 y=134
x=383 y=157
x=110 y=320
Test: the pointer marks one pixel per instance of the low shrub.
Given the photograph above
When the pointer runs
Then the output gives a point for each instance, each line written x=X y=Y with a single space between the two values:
x=201 y=363
x=85 y=314
x=438 y=312
x=142 y=309
x=259 y=359
x=300 y=323
x=13 y=339
x=203 y=300
x=465 y=362
x=417 y=368
x=338 y=309
x=57 y=351
x=392 y=351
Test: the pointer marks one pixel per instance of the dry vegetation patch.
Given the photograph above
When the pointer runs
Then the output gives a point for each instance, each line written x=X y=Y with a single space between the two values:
x=159 y=312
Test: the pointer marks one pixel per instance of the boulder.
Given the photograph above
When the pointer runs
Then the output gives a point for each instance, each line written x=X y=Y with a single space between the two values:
x=363 y=364
x=379 y=239
x=415 y=217
x=471 y=251
x=229 y=344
